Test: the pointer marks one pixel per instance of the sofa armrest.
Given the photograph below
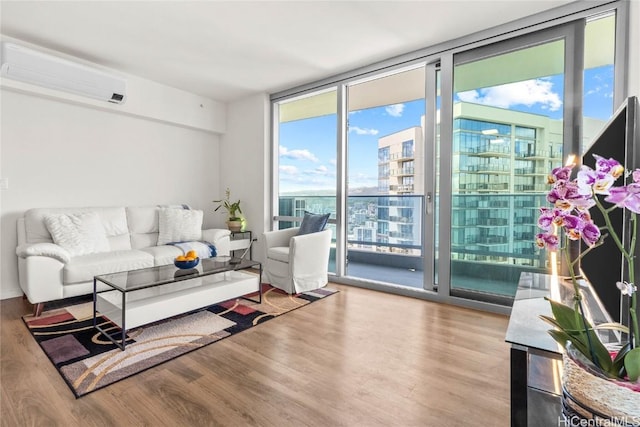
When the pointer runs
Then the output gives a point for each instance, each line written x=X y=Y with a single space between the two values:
x=212 y=235
x=279 y=238
x=50 y=250
x=310 y=251
x=220 y=238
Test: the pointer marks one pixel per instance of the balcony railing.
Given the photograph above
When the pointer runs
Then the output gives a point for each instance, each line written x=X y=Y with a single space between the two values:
x=488 y=168
x=402 y=188
x=483 y=225
x=402 y=171
x=401 y=156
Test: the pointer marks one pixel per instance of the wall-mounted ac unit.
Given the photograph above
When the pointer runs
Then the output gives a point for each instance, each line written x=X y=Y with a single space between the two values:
x=31 y=66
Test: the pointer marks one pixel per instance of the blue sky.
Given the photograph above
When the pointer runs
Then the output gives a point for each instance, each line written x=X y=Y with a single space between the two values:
x=308 y=147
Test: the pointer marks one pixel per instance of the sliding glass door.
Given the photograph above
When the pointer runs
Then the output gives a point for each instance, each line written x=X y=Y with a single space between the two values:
x=509 y=105
x=385 y=178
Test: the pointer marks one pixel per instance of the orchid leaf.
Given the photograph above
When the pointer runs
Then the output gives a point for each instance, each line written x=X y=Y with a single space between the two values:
x=550 y=320
x=564 y=315
x=622 y=353
x=562 y=337
x=632 y=364
x=574 y=325
x=618 y=362
x=612 y=327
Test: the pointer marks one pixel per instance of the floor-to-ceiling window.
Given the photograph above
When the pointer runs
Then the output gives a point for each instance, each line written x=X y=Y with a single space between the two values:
x=507 y=136
x=385 y=177
x=305 y=153
x=599 y=51
x=439 y=162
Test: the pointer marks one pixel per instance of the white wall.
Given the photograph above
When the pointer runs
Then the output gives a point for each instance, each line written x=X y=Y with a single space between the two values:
x=59 y=150
x=145 y=98
x=247 y=162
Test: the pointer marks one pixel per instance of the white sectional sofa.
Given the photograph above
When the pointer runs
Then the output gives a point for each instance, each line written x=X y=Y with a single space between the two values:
x=48 y=271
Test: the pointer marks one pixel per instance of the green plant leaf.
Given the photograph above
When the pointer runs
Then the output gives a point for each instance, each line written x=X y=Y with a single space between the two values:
x=562 y=337
x=613 y=327
x=564 y=315
x=587 y=342
x=550 y=320
x=618 y=362
x=632 y=364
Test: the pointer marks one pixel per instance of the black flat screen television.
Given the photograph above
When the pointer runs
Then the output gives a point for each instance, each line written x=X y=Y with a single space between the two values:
x=618 y=139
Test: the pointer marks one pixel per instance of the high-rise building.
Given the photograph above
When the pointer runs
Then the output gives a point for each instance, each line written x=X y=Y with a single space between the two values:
x=500 y=162
x=401 y=173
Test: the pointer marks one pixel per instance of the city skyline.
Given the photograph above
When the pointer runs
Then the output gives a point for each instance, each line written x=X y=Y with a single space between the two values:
x=307 y=148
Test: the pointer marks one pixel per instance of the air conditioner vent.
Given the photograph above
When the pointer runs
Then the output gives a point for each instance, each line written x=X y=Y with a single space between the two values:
x=31 y=66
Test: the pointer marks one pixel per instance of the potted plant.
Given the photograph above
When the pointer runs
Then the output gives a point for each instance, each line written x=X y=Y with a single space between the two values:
x=234 y=221
x=604 y=380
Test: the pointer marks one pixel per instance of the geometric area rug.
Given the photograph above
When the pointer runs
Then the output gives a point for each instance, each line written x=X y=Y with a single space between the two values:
x=88 y=361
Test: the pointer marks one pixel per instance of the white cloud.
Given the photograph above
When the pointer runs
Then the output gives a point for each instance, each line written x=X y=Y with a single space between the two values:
x=395 y=110
x=333 y=162
x=603 y=90
x=297 y=154
x=527 y=93
x=321 y=170
x=306 y=181
x=359 y=179
x=363 y=131
x=288 y=170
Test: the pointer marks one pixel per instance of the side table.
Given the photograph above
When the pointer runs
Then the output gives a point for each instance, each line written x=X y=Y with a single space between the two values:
x=241 y=240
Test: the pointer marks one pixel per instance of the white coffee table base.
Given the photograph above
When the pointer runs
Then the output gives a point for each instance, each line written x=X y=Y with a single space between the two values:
x=129 y=310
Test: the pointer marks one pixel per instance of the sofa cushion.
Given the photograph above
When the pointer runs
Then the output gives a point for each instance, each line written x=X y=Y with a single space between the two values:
x=279 y=253
x=115 y=225
x=142 y=219
x=114 y=221
x=179 y=225
x=79 y=233
x=143 y=224
x=83 y=268
x=313 y=223
x=163 y=255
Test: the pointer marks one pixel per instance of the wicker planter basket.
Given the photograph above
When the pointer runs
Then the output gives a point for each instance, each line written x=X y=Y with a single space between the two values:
x=589 y=396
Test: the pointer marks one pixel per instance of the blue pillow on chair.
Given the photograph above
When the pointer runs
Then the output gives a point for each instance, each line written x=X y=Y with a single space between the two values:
x=312 y=223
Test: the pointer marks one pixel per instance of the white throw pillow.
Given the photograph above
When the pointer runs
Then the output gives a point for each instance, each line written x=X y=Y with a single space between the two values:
x=179 y=225
x=80 y=233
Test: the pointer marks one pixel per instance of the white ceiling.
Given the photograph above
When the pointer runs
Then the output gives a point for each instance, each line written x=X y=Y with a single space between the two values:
x=226 y=50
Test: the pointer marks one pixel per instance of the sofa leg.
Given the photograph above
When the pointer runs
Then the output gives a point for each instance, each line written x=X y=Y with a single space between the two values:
x=37 y=309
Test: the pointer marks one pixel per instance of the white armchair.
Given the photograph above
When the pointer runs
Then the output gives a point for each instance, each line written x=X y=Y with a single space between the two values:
x=296 y=263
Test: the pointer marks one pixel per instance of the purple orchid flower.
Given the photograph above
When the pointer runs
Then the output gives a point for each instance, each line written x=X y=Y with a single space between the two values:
x=548 y=241
x=566 y=195
x=594 y=182
x=559 y=174
x=609 y=166
x=546 y=218
x=590 y=233
x=626 y=197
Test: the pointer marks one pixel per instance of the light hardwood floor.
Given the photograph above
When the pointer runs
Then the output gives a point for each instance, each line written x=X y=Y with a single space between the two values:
x=357 y=358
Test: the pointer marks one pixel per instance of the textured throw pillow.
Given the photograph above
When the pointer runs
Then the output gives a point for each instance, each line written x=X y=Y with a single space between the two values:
x=179 y=225
x=80 y=234
x=312 y=223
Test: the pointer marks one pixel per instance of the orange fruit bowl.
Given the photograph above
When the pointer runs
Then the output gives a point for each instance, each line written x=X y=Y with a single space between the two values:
x=186 y=264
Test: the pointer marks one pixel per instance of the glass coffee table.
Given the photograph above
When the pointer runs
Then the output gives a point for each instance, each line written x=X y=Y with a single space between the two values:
x=139 y=297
